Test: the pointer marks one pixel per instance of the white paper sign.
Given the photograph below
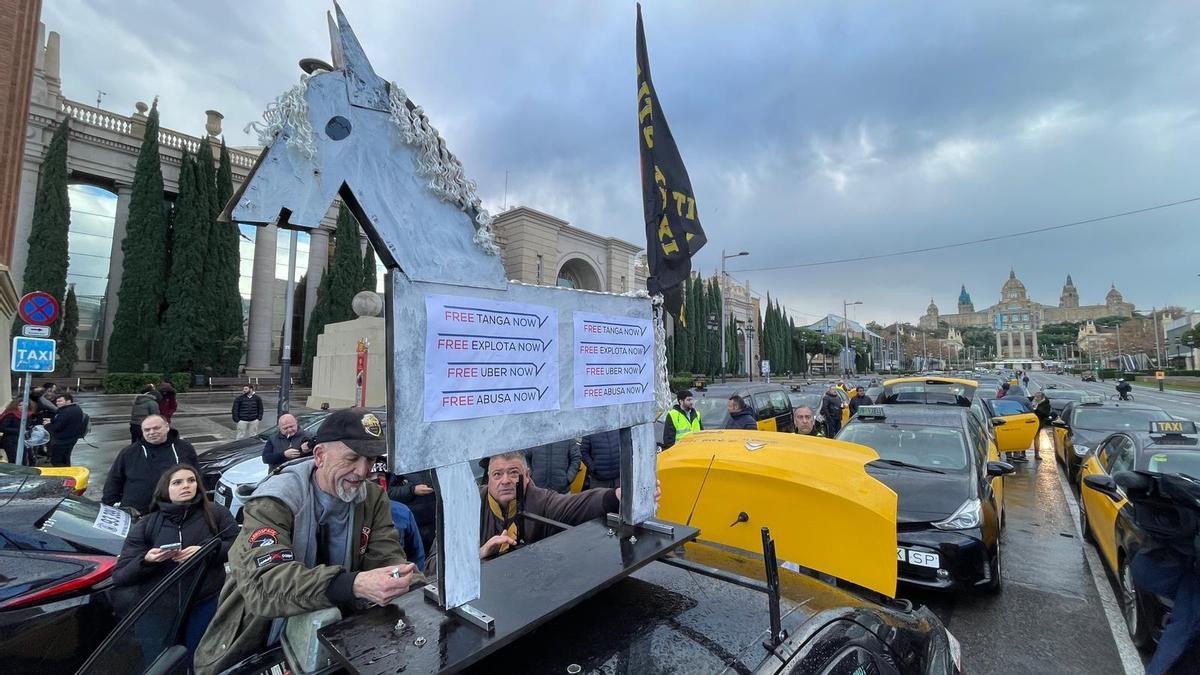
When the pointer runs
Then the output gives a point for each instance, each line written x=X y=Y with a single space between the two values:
x=614 y=360
x=484 y=358
x=113 y=521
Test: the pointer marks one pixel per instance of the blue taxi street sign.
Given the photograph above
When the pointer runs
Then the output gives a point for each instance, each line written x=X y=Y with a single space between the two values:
x=32 y=355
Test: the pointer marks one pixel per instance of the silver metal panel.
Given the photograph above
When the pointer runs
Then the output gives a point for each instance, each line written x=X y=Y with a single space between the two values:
x=419 y=445
x=458 y=539
x=642 y=482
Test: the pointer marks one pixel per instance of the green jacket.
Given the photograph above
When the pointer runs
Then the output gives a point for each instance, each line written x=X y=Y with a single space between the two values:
x=268 y=578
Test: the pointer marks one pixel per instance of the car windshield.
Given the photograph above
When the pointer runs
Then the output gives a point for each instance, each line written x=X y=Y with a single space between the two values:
x=950 y=393
x=712 y=411
x=801 y=399
x=1005 y=407
x=930 y=447
x=1116 y=419
x=1065 y=395
x=74 y=525
x=1173 y=462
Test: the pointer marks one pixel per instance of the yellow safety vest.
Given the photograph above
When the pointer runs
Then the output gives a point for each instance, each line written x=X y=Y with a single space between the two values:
x=682 y=426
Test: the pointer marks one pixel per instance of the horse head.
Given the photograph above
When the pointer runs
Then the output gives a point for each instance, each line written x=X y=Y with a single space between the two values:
x=345 y=131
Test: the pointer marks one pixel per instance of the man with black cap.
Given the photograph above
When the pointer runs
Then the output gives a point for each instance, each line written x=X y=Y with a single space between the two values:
x=317 y=534
x=681 y=420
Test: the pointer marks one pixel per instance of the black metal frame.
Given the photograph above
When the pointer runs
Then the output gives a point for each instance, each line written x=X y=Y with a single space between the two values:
x=770 y=587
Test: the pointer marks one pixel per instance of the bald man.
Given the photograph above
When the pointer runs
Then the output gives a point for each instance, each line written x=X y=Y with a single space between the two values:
x=286 y=444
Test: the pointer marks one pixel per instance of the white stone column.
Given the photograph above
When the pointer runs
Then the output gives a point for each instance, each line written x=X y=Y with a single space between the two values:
x=999 y=350
x=1022 y=336
x=29 y=184
x=1035 y=345
x=116 y=266
x=262 y=300
x=318 y=258
x=1011 y=352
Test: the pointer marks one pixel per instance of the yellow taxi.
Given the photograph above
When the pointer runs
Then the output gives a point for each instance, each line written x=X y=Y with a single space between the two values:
x=74 y=477
x=805 y=489
x=1170 y=446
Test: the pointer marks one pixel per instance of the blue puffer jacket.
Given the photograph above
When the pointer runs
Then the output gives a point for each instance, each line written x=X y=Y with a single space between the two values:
x=602 y=455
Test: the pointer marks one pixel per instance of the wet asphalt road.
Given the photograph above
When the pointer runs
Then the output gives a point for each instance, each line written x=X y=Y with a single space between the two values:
x=1048 y=617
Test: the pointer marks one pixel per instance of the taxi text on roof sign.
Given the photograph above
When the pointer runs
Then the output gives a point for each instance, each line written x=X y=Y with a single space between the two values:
x=1172 y=427
x=872 y=411
x=1090 y=399
x=32 y=355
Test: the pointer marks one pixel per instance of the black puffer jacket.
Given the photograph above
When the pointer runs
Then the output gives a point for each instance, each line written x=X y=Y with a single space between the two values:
x=742 y=419
x=554 y=465
x=424 y=507
x=247 y=408
x=602 y=454
x=168 y=524
x=137 y=468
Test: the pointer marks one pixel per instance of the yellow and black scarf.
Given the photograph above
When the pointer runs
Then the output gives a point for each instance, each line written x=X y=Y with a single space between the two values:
x=508 y=519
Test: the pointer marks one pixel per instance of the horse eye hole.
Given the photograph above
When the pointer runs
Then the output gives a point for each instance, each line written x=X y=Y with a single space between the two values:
x=337 y=127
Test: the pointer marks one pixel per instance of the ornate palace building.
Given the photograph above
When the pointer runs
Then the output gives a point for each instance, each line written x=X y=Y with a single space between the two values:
x=1017 y=319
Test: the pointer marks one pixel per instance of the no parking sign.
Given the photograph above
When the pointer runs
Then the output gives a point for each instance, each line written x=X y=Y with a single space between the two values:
x=38 y=308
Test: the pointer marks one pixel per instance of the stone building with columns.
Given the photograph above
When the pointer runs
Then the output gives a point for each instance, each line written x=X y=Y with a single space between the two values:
x=1016 y=319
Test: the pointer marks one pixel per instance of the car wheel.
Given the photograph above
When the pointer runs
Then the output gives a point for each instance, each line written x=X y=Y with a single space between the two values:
x=1137 y=619
x=1083 y=523
x=994 y=570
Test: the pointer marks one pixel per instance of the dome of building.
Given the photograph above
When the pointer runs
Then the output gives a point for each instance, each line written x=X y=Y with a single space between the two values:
x=964 y=298
x=1114 y=296
x=1069 y=282
x=932 y=308
x=1013 y=289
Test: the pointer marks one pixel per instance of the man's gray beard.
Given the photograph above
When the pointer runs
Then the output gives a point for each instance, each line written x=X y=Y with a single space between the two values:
x=350 y=496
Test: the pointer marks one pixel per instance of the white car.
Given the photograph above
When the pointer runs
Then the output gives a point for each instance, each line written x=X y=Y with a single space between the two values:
x=246 y=474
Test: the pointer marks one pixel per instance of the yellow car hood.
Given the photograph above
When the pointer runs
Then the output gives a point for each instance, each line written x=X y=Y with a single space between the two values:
x=79 y=473
x=825 y=512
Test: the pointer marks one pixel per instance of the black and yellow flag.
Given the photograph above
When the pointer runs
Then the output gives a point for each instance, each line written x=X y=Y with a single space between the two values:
x=673 y=232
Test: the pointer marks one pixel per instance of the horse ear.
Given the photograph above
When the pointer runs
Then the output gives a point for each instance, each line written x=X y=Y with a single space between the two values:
x=364 y=87
x=335 y=43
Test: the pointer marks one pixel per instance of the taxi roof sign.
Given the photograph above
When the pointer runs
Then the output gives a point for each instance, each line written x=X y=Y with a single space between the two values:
x=1172 y=427
x=872 y=411
x=1090 y=398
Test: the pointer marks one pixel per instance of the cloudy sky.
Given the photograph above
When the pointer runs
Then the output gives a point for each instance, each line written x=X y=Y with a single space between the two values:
x=813 y=131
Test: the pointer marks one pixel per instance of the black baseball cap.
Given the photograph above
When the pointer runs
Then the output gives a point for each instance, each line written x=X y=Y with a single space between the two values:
x=358 y=428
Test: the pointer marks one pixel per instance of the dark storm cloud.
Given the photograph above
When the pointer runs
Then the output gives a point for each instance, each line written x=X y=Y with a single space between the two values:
x=812 y=132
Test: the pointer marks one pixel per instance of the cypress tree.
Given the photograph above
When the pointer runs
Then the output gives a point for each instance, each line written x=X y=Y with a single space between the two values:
x=713 y=298
x=46 y=264
x=143 y=270
x=369 y=279
x=342 y=280
x=695 y=324
x=226 y=341
x=183 y=331
x=682 y=347
x=68 y=350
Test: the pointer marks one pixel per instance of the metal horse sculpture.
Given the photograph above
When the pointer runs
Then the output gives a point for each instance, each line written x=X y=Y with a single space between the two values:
x=345 y=132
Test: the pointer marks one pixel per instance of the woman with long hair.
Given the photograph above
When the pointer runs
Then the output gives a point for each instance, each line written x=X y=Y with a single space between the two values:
x=180 y=521
x=10 y=428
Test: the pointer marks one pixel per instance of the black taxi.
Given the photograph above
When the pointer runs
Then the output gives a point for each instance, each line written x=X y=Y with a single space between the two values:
x=1084 y=424
x=941 y=464
x=1168 y=447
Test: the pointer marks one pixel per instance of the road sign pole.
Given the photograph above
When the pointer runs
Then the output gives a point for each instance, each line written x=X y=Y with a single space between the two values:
x=24 y=418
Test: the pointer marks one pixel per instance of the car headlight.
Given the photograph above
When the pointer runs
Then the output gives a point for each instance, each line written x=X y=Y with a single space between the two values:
x=1082 y=450
x=969 y=515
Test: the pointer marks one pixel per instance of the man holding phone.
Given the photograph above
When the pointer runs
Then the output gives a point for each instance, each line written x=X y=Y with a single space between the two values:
x=317 y=534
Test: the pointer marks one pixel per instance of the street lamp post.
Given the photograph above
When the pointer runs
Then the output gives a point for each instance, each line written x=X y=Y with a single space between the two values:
x=723 y=289
x=846 y=330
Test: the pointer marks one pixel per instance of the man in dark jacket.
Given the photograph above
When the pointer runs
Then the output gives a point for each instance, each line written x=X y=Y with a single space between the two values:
x=247 y=412
x=602 y=455
x=286 y=444
x=67 y=427
x=555 y=465
x=740 y=414
x=681 y=420
x=860 y=398
x=144 y=406
x=806 y=421
x=415 y=491
x=831 y=410
x=137 y=468
x=509 y=492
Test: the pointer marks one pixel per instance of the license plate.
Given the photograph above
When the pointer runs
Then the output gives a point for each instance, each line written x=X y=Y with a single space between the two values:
x=918 y=558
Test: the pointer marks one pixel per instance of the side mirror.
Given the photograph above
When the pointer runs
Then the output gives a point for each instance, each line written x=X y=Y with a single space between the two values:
x=1104 y=484
x=999 y=468
x=999 y=421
